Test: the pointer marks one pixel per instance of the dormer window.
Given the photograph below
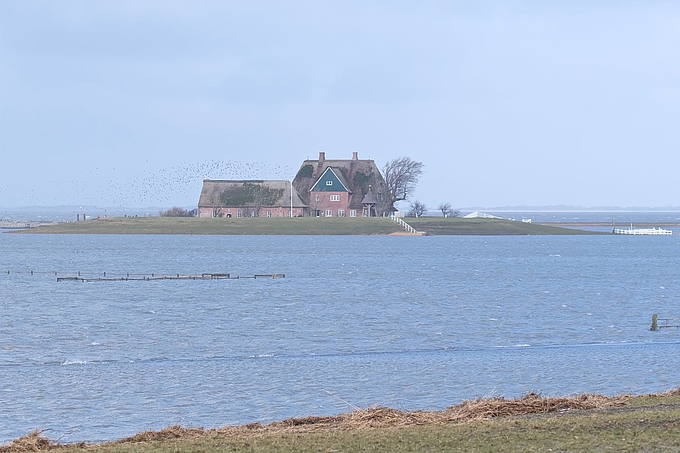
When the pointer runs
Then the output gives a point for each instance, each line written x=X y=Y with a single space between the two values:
x=329 y=183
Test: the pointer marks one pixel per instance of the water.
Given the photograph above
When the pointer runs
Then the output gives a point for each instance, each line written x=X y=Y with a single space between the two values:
x=622 y=217
x=405 y=322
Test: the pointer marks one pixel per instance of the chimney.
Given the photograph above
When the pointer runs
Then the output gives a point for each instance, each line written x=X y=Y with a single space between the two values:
x=322 y=156
x=355 y=155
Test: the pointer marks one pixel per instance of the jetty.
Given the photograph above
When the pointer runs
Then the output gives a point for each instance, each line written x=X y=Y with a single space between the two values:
x=666 y=323
x=154 y=277
x=656 y=231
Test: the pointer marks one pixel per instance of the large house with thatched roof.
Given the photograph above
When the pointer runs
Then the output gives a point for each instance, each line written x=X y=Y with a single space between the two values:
x=322 y=188
x=342 y=187
x=250 y=198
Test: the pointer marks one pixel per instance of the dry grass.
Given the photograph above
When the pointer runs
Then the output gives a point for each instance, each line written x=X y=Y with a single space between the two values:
x=35 y=441
x=375 y=417
x=532 y=403
x=384 y=417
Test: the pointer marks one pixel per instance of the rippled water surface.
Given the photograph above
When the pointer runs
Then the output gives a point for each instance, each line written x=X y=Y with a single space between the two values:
x=405 y=322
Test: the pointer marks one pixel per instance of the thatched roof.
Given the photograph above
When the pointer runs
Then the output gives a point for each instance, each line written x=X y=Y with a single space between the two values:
x=359 y=175
x=212 y=188
x=369 y=198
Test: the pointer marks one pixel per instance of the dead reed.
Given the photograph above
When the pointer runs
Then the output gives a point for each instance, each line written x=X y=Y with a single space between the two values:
x=35 y=441
x=384 y=417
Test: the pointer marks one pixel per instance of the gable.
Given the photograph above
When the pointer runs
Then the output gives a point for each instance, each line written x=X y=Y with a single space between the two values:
x=357 y=175
x=329 y=181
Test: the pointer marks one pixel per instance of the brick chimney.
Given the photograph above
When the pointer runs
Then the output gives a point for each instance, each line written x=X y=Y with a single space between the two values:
x=355 y=155
x=322 y=156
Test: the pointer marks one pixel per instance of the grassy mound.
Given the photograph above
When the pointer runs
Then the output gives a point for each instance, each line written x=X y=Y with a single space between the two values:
x=298 y=226
x=481 y=226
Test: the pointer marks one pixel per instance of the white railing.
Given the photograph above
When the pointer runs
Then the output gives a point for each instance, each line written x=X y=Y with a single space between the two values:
x=643 y=231
x=406 y=226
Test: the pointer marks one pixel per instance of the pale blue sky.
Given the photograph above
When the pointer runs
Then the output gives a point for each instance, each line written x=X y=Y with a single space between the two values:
x=507 y=103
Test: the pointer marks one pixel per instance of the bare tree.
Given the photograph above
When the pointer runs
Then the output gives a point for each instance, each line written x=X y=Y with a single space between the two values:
x=315 y=202
x=218 y=200
x=418 y=209
x=447 y=210
x=401 y=176
x=261 y=195
x=176 y=211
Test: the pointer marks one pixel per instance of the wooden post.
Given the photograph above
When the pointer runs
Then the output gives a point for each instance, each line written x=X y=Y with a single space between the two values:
x=655 y=326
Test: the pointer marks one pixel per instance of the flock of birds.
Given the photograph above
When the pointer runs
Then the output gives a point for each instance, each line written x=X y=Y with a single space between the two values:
x=177 y=185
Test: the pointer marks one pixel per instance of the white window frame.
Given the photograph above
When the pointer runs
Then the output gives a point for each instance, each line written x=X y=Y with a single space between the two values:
x=239 y=214
x=329 y=213
x=269 y=213
x=335 y=197
x=329 y=183
x=316 y=197
x=341 y=213
x=352 y=212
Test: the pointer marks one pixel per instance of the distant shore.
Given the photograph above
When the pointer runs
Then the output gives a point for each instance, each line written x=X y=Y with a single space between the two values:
x=301 y=226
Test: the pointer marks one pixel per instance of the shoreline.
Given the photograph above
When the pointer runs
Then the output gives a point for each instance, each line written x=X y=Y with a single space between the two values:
x=472 y=415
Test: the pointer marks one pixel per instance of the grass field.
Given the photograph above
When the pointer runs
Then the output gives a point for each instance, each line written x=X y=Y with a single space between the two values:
x=301 y=226
x=192 y=225
x=584 y=423
x=481 y=226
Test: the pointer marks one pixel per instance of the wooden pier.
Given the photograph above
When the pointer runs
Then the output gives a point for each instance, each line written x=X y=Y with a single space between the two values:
x=154 y=277
x=655 y=323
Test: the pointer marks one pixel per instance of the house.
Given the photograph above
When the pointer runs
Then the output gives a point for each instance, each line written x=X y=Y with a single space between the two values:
x=342 y=187
x=250 y=198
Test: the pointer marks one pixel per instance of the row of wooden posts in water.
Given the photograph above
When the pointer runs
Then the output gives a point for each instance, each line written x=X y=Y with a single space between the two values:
x=655 y=323
x=103 y=277
x=167 y=277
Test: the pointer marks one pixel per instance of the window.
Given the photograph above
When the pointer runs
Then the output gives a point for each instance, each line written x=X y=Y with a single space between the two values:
x=335 y=197
x=329 y=183
x=341 y=213
x=269 y=213
x=316 y=197
x=238 y=214
x=329 y=213
x=352 y=212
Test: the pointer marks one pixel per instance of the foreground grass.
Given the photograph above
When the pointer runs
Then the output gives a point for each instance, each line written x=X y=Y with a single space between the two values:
x=297 y=226
x=584 y=423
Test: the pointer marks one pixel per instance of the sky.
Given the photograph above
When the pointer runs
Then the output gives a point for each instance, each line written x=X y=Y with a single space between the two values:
x=507 y=103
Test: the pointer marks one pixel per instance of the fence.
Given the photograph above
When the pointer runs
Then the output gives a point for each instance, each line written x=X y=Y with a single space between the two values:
x=406 y=226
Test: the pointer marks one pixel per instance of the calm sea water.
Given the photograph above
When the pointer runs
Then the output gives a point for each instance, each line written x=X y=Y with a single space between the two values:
x=405 y=322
